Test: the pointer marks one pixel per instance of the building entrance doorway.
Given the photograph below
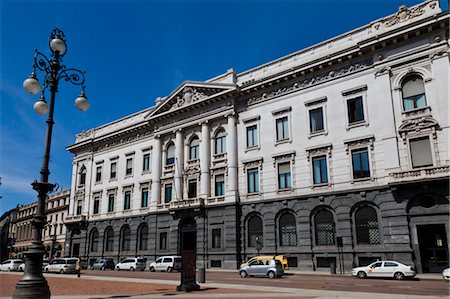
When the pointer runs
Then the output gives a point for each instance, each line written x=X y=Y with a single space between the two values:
x=433 y=247
x=188 y=252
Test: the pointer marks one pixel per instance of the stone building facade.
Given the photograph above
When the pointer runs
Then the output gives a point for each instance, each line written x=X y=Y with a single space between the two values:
x=336 y=153
x=54 y=232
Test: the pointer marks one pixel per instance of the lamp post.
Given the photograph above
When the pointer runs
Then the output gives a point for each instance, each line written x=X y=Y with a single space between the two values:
x=33 y=284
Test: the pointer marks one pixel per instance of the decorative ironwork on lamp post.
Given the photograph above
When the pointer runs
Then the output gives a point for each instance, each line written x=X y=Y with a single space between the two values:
x=33 y=284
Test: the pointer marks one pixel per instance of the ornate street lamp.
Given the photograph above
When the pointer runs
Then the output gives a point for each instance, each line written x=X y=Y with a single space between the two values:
x=33 y=284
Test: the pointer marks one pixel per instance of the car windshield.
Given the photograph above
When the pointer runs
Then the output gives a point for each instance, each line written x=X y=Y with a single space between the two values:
x=141 y=261
x=17 y=262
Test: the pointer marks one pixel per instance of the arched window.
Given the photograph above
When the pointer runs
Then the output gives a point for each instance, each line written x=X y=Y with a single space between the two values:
x=367 y=230
x=143 y=237
x=126 y=238
x=288 y=230
x=94 y=240
x=109 y=239
x=220 y=142
x=170 y=159
x=255 y=230
x=324 y=227
x=413 y=93
x=194 y=148
x=82 y=180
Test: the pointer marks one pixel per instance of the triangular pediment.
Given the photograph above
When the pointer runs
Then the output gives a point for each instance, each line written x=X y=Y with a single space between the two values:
x=188 y=95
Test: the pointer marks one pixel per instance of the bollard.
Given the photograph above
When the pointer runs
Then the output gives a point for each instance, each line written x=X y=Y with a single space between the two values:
x=333 y=268
x=201 y=275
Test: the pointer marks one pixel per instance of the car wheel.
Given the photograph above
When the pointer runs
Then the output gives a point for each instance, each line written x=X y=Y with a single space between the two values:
x=169 y=269
x=61 y=271
x=117 y=269
x=102 y=268
x=131 y=269
x=152 y=269
x=9 y=269
x=362 y=274
x=399 y=275
x=20 y=269
x=46 y=270
x=243 y=274
x=271 y=274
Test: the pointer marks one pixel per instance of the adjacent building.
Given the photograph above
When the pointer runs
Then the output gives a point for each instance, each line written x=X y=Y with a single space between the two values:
x=54 y=232
x=337 y=153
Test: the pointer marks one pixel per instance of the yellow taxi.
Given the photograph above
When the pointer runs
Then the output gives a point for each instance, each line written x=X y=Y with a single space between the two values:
x=281 y=258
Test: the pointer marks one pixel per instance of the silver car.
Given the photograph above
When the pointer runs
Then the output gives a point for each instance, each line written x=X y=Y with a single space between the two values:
x=262 y=267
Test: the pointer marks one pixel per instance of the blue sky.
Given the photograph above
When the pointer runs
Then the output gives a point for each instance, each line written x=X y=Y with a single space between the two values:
x=135 y=51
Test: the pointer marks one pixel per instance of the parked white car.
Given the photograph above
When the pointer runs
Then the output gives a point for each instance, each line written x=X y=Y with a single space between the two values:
x=21 y=267
x=131 y=264
x=166 y=263
x=10 y=265
x=62 y=265
x=385 y=269
x=446 y=274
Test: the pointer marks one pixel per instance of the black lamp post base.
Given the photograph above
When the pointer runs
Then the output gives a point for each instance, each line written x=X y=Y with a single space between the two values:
x=32 y=290
x=188 y=286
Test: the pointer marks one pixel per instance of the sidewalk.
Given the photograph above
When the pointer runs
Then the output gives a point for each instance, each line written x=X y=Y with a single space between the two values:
x=96 y=287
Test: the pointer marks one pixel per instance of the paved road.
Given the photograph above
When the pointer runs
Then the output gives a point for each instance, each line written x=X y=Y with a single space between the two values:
x=312 y=282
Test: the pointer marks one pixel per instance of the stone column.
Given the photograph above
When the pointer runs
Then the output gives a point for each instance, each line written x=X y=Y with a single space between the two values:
x=205 y=160
x=232 y=153
x=156 y=172
x=179 y=165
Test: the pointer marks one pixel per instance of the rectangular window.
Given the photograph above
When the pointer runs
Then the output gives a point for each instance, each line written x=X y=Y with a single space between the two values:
x=144 y=198
x=163 y=241
x=252 y=136
x=96 y=205
x=129 y=166
x=355 y=110
x=360 y=162
x=252 y=180
x=282 y=128
x=220 y=185
x=127 y=200
x=113 y=172
x=216 y=238
x=98 y=174
x=284 y=175
x=146 y=162
x=192 y=189
x=316 y=120
x=111 y=203
x=168 y=193
x=320 y=171
x=421 y=152
x=79 y=207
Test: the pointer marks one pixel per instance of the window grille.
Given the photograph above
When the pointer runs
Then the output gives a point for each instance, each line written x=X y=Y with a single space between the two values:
x=292 y=262
x=126 y=239
x=367 y=230
x=216 y=263
x=324 y=227
x=324 y=262
x=255 y=230
x=366 y=260
x=143 y=237
x=288 y=230
x=94 y=241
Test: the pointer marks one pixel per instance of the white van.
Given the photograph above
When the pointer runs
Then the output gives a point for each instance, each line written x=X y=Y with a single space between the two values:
x=62 y=265
x=166 y=263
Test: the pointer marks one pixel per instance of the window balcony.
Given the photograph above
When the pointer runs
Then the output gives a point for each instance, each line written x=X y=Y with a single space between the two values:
x=72 y=219
x=425 y=173
x=183 y=204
